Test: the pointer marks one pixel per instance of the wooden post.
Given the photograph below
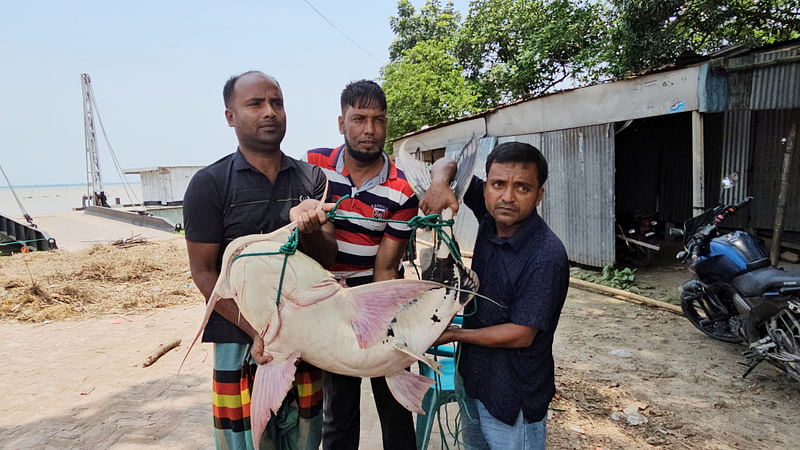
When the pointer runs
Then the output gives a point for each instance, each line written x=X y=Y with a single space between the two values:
x=698 y=164
x=783 y=194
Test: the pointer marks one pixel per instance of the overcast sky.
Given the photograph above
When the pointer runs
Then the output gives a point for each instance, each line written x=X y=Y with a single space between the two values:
x=157 y=69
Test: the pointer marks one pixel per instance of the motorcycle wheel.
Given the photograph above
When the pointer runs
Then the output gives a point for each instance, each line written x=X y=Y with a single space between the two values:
x=708 y=318
x=784 y=329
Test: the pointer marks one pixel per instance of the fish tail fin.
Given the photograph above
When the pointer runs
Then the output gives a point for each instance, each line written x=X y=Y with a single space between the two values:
x=273 y=380
x=418 y=175
x=212 y=302
x=409 y=389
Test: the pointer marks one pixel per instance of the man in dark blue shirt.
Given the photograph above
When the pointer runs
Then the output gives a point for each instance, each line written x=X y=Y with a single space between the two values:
x=507 y=361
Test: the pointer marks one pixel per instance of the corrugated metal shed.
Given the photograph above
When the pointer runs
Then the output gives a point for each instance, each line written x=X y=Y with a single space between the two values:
x=736 y=143
x=771 y=126
x=743 y=96
x=578 y=203
x=763 y=80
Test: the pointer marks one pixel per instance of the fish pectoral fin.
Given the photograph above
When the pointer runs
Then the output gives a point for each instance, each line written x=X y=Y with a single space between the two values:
x=273 y=380
x=409 y=389
x=436 y=366
x=376 y=304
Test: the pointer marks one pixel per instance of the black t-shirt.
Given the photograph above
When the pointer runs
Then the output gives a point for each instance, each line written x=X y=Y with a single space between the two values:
x=230 y=198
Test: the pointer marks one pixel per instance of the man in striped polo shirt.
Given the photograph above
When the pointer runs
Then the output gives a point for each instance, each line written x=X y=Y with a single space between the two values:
x=369 y=250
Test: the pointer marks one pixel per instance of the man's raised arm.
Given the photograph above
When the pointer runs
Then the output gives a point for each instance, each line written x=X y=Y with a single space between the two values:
x=439 y=195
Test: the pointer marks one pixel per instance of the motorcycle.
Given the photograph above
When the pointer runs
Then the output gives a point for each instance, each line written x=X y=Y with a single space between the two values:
x=637 y=240
x=737 y=295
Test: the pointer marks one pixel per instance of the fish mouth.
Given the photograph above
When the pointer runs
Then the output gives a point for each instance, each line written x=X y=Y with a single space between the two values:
x=452 y=273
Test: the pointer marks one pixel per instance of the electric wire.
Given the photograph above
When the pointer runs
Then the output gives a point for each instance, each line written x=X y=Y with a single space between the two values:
x=341 y=32
x=128 y=190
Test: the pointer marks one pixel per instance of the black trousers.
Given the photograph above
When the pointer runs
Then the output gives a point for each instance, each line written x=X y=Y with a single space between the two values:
x=341 y=414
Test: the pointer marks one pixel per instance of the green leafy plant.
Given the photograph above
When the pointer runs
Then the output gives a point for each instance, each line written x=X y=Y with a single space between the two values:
x=619 y=278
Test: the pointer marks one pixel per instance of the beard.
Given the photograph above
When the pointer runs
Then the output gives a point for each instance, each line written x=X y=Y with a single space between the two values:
x=360 y=155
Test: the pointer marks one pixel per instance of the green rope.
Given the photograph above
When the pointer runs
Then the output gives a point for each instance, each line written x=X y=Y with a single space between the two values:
x=433 y=221
x=437 y=224
x=289 y=248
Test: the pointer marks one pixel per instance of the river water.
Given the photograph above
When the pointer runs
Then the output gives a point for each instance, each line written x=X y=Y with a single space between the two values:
x=58 y=198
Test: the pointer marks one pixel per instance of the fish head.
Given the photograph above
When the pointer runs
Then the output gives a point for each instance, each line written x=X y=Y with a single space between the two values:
x=253 y=283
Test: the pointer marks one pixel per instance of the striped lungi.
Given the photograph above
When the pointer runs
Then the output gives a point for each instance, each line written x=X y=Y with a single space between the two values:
x=298 y=423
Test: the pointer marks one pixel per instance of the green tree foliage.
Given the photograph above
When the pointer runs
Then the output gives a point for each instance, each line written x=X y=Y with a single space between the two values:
x=424 y=83
x=648 y=34
x=433 y=23
x=424 y=86
x=512 y=49
x=504 y=50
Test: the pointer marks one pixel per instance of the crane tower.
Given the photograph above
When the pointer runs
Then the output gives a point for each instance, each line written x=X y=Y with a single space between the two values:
x=94 y=191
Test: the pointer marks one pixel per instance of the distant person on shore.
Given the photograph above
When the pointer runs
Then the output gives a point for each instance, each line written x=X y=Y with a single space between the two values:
x=256 y=189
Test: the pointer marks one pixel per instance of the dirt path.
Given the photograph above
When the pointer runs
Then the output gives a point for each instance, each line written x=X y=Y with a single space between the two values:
x=689 y=386
x=80 y=384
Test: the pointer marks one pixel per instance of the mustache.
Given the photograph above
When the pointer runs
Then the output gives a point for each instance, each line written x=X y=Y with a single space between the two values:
x=502 y=204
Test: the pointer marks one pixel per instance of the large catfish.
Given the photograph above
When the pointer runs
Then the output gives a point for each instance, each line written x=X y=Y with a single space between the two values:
x=378 y=329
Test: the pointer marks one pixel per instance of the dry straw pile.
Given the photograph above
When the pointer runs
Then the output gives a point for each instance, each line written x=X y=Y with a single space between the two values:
x=106 y=279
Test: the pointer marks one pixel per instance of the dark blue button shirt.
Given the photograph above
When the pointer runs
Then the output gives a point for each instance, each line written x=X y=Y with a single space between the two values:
x=528 y=273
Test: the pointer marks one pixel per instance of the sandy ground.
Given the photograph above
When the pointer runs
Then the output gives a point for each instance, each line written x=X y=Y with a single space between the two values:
x=80 y=384
x=77 y=230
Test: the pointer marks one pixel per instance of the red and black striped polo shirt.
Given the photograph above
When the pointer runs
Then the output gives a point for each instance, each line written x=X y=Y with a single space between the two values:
x=387 y=196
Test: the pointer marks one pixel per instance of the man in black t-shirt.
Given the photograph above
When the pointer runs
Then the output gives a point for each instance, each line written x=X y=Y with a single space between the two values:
x=256 y=189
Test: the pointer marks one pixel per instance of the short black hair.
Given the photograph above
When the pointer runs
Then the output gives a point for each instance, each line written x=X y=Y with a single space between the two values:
x=519 y=152
x=227 y=90
x=363 y=94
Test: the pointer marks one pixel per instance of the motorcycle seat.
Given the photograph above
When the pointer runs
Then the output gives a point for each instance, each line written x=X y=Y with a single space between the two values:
x=766 y=279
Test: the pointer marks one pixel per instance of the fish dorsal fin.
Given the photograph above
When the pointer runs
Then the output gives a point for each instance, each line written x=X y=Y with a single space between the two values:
x=465 y=162
x=376 y=304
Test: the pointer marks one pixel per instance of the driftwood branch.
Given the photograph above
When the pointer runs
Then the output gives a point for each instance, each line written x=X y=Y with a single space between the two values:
x=160 y=352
